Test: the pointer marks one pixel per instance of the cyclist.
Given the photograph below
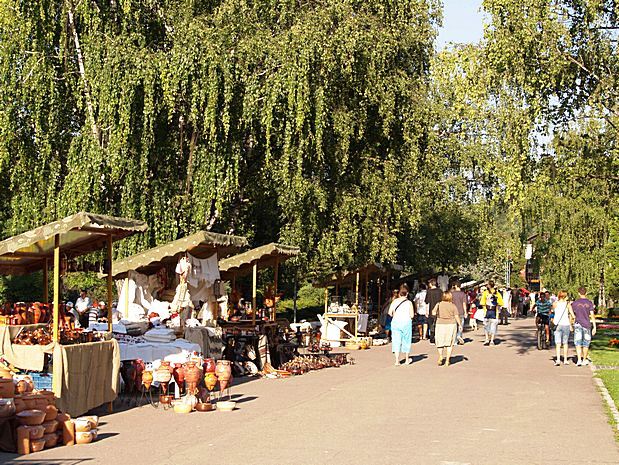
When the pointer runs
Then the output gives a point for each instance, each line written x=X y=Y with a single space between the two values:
x=543 y=307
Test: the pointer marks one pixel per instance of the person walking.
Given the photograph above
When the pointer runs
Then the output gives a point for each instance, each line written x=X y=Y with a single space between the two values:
x=385 y=316
x=402 y=312
x=563 y=326
x=433 y=296
x=421 y=307
x=447 y=324
x=582 y=312
x=459 y=299
x=491 y=300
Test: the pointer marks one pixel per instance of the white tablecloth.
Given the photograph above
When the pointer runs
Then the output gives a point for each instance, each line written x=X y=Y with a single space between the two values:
x=151 y=351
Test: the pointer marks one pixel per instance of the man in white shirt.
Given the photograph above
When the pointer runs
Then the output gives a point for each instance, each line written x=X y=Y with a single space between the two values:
x=82 y=304
x=422 y=311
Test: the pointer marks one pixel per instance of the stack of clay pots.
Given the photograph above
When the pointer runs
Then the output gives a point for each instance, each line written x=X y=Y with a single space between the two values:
x=86 y=429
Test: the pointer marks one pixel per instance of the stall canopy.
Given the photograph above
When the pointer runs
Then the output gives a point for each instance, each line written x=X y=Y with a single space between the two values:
x=371 y=271
x=201 y=245
x=264 y=256
x=78 y=234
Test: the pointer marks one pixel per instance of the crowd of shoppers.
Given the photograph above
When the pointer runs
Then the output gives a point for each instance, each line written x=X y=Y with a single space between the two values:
x=441 y=316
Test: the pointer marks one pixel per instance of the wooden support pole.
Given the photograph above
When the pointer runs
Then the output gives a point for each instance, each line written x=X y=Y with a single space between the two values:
x=367 y=285
x=233 y=281
x=55 y=332
x=326 y=299
x=126 y=297
x=357 y=291
x=379 y=305
x=253 y=292
x=109 y=283
x=275 y=278
x=46 y=281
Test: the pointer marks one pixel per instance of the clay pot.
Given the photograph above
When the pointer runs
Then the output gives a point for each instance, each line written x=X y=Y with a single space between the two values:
x=51 y=413
x=7 y=408
x=21 y=387
x=37 y=314
x=209 y=365
x=36 y=432
x=204 y=407
x=210 y=380
x=84 y=437
x=224 y=373
x=30 y=417
x=7 y=388
x=50 y=426
x=50 y=440
x=37 y=445
x=92 y=419
x=192 y=376
x=179 y=374
x=163 y=373
x=82 y=425
x=147 y=379
x=29 y=402
x=20 y=405
x=40 y=403
x=49 y=396
x=181 y=407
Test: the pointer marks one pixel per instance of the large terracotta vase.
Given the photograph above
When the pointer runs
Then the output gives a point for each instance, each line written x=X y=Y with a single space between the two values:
x=192 y=377
x=210 y=381
x=224 y=373
x=179 y=375
x=163 y=375
x=137 y=374
x=209 y=365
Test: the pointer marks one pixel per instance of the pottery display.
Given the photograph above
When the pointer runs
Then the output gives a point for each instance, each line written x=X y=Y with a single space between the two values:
x=192 y=376
x=49 y=396
x=21 y=387
x=210 y=380
x=166 y=400
x=37 y=445
x=29 y=402
x=209 y=365
x=179 y=374
x=92 y=419
x=50 y=440
x=84 y=437
x=35 y=432
x=181 y=407
x=163 y=374
x=50 y=426
x=147 y=379
x=30 y=417
x=7 y=408
x=224 y=373
x=204 y=407
x=20 y=405
x=82 y=425
x=226 y=406
x=7 y=388
x=40 y=402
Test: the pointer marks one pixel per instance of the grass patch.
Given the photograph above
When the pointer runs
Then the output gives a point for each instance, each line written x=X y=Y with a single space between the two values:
x=611 y=381
x=600 y=352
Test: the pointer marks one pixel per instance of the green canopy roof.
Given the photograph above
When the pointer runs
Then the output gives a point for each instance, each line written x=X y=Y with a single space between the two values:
x=79 y=234
x=201 y=245
x=264 y=256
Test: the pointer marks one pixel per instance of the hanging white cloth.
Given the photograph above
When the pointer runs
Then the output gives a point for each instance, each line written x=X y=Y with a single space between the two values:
x=203 y=270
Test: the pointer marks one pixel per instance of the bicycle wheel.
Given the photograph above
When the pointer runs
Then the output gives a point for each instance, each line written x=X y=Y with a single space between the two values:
x=541 y=338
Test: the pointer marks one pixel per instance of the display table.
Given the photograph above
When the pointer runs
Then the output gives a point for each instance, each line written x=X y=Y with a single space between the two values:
x=85 y=376
x=330 y=318
x=209 y=339
x=23 y=356
x=151 y=351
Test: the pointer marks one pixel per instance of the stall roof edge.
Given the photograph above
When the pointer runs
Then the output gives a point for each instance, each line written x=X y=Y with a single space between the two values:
x=80 y=234
x=201 y=244
x=265 y=253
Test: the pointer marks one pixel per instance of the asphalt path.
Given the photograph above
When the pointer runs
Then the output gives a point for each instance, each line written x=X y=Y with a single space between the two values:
x=505 y=404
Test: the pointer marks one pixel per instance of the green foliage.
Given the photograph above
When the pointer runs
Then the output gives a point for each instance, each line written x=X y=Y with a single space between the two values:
x=310 y=301
x=27 y=288
x=95 y=286
x=601 y=352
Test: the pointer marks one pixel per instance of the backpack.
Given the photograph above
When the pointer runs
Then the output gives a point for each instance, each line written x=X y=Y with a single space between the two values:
x=491 y=301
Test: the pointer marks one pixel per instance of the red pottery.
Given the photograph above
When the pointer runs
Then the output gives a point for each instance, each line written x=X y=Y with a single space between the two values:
x=209 y=365
x=192 y=376
x=179 y=374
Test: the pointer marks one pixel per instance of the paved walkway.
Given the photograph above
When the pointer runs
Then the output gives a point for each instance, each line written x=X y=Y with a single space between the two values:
x=496 y=405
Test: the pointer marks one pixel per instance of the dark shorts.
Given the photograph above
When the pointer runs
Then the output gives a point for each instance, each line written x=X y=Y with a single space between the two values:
x=543 y=318
x=422 y=320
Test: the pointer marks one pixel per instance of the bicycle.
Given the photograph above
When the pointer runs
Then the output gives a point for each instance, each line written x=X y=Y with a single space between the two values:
x=540 y=335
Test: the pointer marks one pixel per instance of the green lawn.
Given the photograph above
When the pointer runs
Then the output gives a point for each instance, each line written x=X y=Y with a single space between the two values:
x=611 y=381
x=601 y=352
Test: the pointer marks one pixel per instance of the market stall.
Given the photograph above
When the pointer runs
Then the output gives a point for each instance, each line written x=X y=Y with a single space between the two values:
x=85 y=375
x=349 y=314
x=175 y=283
x=246 y=328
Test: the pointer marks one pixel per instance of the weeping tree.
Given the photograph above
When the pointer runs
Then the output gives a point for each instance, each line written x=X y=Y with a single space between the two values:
x=281 y=120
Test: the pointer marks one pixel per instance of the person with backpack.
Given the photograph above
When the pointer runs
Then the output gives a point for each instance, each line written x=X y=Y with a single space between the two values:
x=402 y=313
x=491 y=300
